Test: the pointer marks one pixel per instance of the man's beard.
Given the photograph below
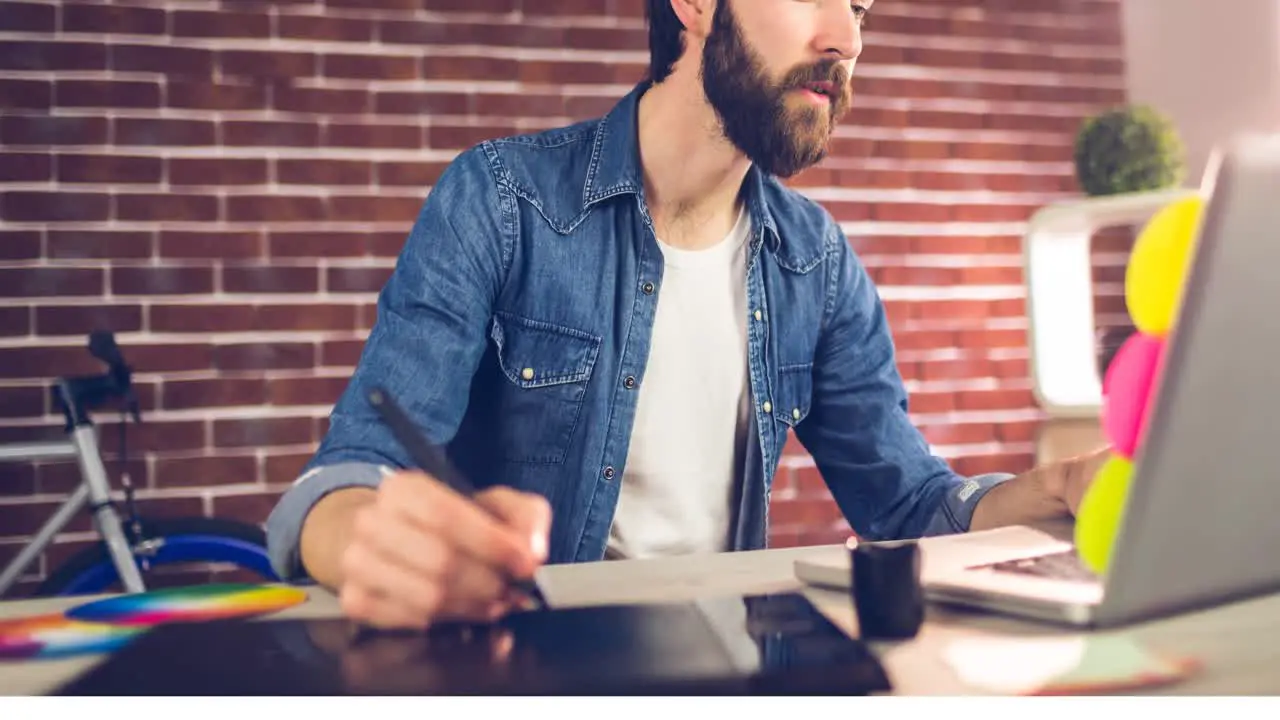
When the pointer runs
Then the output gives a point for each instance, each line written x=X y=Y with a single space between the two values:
x=753 y=109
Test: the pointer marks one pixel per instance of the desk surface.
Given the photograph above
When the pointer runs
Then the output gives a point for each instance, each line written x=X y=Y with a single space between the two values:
x=1238 y=644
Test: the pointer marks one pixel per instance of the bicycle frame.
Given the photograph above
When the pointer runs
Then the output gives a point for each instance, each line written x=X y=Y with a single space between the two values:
x=94 y=491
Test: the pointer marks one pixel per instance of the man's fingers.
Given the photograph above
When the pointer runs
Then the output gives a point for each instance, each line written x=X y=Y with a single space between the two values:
x=386 y=589
x=364 y=605
x=528 y=513
x=466 y=526
x=474 y=591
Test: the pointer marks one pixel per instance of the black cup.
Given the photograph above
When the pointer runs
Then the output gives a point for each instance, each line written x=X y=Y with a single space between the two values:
x=887 y=594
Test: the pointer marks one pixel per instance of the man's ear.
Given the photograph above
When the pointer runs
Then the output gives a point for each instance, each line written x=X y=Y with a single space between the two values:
x=695 y=15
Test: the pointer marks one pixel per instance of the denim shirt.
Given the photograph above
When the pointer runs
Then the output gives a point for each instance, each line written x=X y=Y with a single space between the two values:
x=516 y=324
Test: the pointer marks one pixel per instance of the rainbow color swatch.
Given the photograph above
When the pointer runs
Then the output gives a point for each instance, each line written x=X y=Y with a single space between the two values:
x=188 y=604
x=56 y=636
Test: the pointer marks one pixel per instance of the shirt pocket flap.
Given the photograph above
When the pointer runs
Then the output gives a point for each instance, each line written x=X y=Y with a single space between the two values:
x=534 y=354
x=794 y=394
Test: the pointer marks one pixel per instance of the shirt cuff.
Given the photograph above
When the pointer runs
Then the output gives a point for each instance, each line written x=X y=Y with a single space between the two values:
x=284 y=524
x=956 y=511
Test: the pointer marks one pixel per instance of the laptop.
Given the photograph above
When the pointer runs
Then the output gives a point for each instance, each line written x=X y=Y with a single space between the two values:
x=1199 y=528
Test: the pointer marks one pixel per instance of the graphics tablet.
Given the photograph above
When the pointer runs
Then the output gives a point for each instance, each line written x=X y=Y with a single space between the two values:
x=768 y=644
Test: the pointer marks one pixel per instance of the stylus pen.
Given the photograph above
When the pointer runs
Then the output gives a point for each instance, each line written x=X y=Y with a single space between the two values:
x=432 y=460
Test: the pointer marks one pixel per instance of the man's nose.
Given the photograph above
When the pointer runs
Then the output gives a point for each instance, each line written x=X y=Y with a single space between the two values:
x=840 y=37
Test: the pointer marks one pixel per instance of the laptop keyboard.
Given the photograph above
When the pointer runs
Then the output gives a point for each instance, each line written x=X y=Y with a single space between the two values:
x=1065 y=565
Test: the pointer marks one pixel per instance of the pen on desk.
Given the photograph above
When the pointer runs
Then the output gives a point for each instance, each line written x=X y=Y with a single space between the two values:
x=431 y=459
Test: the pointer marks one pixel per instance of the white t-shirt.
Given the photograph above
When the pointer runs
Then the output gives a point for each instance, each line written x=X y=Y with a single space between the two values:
x=687 y=444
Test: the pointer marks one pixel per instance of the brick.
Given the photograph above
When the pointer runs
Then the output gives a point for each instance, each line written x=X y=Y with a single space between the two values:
x=205 y=318
x=161 y=280
x=169 y=206
x=26 y=167
x=211 y=244
x=43 y=55
x=25 y=95
x=312 y=27
x=283 y=468
x=223 y=392
x=106 y=94
x=28 y=17
x=217 y=171
x=23 y=402
x=43 y=130
x=466 y=67
x=420 y=174
x=556 y=72
x=375 y=209
x=387 y=4
x=316 y=244
x=36 y=206
x=370 y=67
x=518 y=104
x=312 y=317
x=25 y=519
x=804 y=513
x=324 y=172
x=109 y=169
x=263 y=432
x=340 y=353
x=19 y=244
x=264 y=356
x=270 y=134
x=460 y=137
x=422 y=103
x=321 y=101
x=99 y=244
x=187 y=93
x=205 y=470
x=156 y=436
x=172 y=61
x=268 y=279
x=275 y=208
x=122 y=19
x=356 y=279
x=306 y=391
x=260 y=64
x=50 y=282
x=43 y=363
x=386 y=244
x=373 y=136
x=14 y=322
x=220 y=23
x=84 y=319
x=247 y=508
x=149 y=131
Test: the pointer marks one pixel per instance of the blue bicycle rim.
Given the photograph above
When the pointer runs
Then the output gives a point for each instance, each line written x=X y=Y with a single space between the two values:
x=179 y=549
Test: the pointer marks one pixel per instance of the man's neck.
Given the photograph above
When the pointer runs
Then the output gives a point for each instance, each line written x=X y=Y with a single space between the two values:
x=692 y=175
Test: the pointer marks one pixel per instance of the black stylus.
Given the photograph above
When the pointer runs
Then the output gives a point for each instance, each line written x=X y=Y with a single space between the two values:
x=431 y=459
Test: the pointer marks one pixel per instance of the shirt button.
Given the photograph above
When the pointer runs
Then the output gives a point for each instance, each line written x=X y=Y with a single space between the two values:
x=648 y=288
x=758 y=316
x=608 y=473
x=527 y=373
x=768 y=406
x=630 y=382
x=795 y=413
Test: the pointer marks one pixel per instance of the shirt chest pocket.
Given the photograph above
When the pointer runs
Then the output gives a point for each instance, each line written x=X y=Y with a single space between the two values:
x=547 y=368
x=794 y=394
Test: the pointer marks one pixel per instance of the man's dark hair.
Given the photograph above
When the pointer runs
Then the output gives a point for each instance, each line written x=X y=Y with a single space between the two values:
x=666 y=40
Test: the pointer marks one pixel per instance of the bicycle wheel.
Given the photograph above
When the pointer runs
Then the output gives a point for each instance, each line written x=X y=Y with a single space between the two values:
x=166 y=542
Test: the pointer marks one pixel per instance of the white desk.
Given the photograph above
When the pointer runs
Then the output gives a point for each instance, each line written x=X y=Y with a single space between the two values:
x=1239 y=645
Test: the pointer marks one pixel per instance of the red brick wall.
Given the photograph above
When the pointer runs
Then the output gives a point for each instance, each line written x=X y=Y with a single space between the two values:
x=226 y=185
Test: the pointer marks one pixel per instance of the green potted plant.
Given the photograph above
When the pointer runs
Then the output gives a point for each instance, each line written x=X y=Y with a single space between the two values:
x=1126 y=149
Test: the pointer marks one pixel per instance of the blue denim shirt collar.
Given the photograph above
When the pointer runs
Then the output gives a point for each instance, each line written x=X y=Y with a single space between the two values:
x=615 y=168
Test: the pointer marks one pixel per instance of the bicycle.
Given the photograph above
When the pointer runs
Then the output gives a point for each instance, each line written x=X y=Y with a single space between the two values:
x=134 y=545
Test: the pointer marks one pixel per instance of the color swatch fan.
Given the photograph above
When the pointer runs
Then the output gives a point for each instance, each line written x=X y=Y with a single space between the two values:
x=188 y=604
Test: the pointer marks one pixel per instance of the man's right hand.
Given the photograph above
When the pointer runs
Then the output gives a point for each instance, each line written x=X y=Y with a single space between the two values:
x=417 y=552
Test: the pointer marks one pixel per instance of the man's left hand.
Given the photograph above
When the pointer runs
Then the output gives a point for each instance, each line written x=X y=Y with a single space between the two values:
x=1069 y=479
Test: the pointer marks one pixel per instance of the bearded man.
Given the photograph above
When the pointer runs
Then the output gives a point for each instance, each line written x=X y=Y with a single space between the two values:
x=614 y=327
